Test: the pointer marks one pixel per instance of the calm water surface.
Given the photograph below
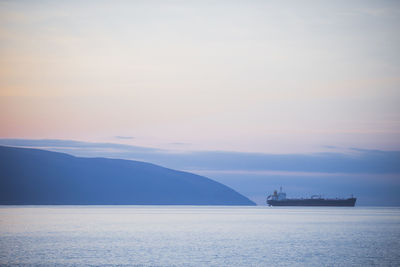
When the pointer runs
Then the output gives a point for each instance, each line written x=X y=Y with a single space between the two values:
x=199 y=236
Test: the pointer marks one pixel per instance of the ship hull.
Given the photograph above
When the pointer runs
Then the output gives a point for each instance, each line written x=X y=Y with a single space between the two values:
x=350 y=202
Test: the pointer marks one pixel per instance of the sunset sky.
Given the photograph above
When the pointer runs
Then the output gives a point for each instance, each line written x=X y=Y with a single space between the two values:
x=254 y=94
x=250 y=76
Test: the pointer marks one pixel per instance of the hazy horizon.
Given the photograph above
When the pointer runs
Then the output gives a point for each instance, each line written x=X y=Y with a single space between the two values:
x=370 y=175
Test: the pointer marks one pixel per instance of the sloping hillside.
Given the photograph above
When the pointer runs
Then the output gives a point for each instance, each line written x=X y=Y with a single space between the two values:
x=32 y=176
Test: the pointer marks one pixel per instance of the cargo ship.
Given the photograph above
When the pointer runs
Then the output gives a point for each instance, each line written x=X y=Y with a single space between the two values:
x=279 y=199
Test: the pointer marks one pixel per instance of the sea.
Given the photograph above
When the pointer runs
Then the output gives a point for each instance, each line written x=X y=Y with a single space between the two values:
x=199 y=236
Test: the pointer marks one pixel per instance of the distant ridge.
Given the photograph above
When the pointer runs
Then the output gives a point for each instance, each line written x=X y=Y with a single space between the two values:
x=39 y=177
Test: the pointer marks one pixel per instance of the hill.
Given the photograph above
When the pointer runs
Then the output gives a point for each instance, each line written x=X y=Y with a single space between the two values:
x=39 y=177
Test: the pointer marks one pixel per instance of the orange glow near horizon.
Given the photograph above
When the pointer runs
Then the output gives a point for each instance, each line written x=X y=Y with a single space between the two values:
x=242 y=77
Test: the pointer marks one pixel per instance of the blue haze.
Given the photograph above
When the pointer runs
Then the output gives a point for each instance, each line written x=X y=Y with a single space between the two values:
x=371 y=175
x=360 y=161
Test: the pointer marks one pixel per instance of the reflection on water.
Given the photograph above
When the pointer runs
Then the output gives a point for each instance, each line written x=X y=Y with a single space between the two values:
x=199 y=236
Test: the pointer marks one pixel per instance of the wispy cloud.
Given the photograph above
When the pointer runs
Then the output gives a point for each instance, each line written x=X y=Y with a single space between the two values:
x=359 y=161
x=330 y=147
x=179 y=144
x=124 y=137
x=80 y=148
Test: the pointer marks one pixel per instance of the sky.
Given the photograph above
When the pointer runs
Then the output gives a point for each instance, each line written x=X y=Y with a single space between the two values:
x=261 y=76
x=265 y=77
